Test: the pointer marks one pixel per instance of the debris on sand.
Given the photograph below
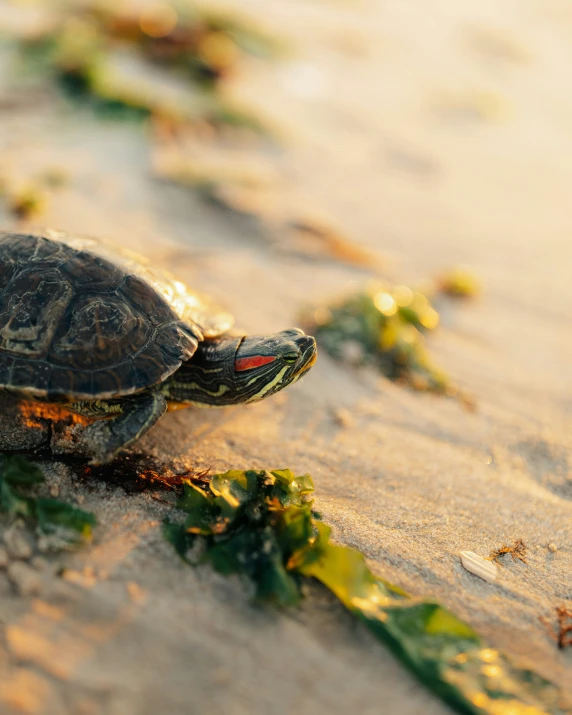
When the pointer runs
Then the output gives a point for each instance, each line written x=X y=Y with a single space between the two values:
x=563 y=634
x=323 y=238
x=28 y=199
x=249 y=183
x=517 y=552
x=29 y=202
x=564 y=627
x=459 y=283
x=479 y=566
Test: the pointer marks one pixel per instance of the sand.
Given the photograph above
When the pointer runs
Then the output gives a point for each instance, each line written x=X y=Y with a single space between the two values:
x=435 y=134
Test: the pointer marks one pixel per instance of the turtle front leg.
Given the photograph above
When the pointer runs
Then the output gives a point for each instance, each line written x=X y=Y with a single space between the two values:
x=128 y=418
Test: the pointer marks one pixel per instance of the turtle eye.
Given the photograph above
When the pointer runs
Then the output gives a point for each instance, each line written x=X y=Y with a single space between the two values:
x=291 y=357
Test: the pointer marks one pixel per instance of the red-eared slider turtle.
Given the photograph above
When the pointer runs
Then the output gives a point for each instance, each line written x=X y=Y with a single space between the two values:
x=97 y=330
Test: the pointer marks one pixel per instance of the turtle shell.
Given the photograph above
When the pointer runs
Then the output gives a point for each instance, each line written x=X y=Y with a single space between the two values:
x=80 y=320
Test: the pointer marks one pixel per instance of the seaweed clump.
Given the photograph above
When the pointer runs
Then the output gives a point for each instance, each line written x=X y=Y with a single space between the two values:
x=384 y=326
x=164 y=59
x=563 y=634
x=459 y=283
x=18 y=480
x=517 y=552
x=261 y=525
x=248 y=522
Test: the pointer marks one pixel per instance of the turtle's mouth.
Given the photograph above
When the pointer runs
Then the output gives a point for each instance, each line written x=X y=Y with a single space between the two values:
x=309 y=350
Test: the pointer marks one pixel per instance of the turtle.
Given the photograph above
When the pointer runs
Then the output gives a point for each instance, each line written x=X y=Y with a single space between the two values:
x=95 y=329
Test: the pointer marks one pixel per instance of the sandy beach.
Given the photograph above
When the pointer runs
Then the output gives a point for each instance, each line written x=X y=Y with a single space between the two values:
x=434 y=134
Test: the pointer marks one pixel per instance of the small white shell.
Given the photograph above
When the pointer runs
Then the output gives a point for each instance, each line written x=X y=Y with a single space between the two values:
x=479 y=566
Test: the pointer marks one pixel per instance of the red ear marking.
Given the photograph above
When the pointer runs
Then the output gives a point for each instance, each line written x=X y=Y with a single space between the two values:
x=250 y=362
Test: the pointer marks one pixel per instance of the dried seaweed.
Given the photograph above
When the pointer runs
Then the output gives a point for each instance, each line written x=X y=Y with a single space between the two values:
x=325 y=239
x=563 y=634
x=18 y=477
x=261 y=525
x=517 y=551
x=383 y=325
x=564 y=627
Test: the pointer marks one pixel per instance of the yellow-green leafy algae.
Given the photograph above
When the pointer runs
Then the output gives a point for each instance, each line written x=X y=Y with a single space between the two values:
x=205 y=42
x=242 y=516
x=383 y=325
x=261 y=524
x=459 y=283
x=28 y=202
x=161 y=59
x=18 y=479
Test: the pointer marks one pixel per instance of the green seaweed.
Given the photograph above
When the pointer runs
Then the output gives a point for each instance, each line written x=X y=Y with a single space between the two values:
x=240 y=515
x=384 y=326
x=261 y=525
x=176 y=56
x=17 y=476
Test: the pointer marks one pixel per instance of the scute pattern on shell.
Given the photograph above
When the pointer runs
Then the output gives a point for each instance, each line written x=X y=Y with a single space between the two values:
x=79 y=320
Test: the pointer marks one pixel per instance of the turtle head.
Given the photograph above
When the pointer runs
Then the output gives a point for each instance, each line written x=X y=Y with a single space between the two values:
x=231 y=370
x=264 y=365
